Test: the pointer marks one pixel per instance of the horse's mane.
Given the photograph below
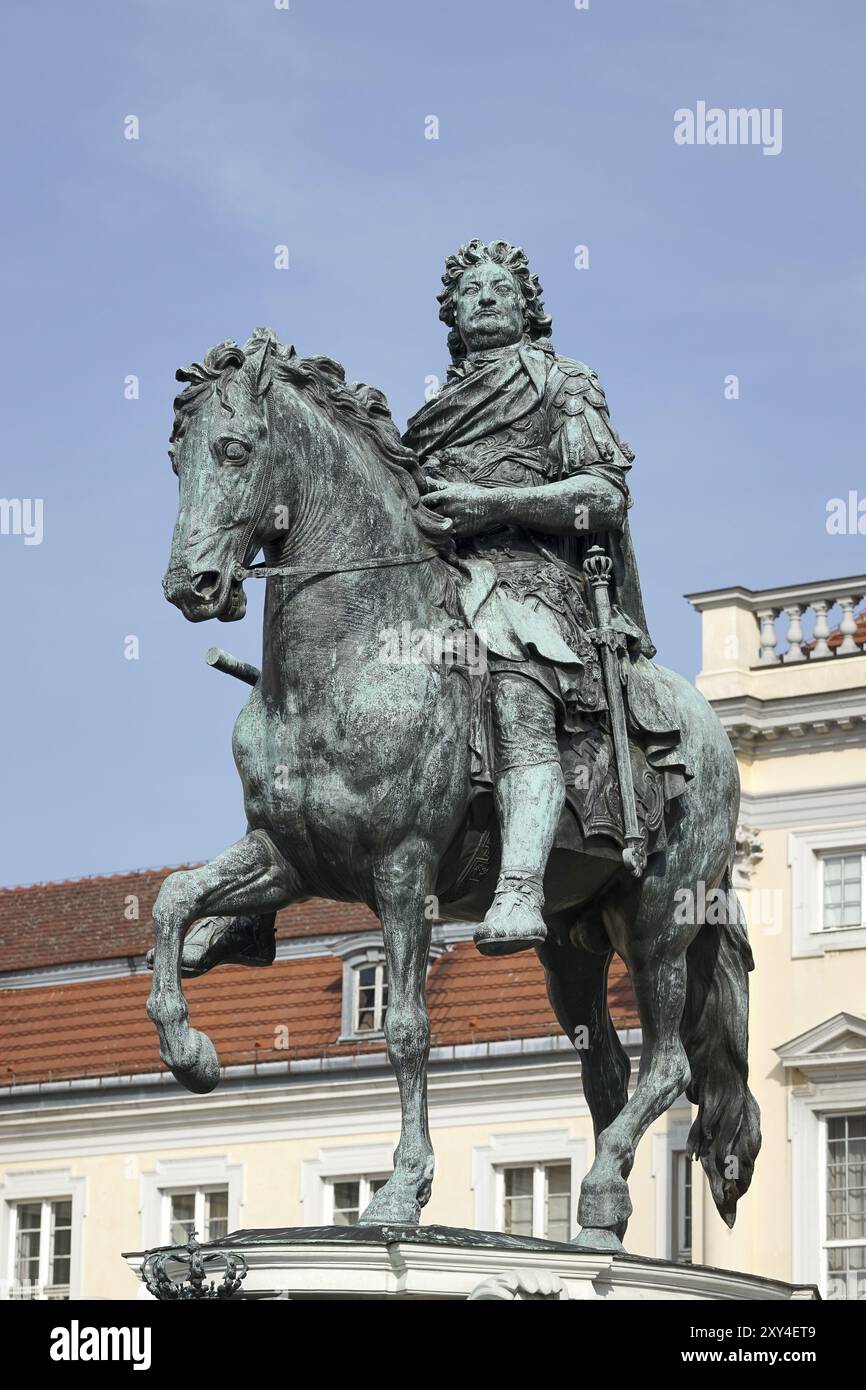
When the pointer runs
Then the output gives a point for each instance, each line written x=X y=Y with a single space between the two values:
x=360 y=409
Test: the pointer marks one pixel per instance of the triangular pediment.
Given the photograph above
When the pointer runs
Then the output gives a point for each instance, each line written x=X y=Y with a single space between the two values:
x=838 y=1040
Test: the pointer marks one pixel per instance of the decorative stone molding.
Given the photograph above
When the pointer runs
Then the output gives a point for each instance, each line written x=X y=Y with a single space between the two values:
x=807 y=807
x=443 y=1263
x=801 y=723
x=748 y=854
x=833 y=1051
x=522 y=1286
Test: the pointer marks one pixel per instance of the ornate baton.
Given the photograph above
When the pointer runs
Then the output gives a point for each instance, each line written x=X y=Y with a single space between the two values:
x=232 y=665
x=598 y=568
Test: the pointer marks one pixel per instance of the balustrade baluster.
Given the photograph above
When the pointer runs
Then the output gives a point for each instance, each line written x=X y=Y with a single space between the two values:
x=795 y=634
x=848 y=626
x=766 y=619
x=822 y=630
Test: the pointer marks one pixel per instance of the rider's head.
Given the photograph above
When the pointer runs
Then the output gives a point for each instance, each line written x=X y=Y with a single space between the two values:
x=491 y=298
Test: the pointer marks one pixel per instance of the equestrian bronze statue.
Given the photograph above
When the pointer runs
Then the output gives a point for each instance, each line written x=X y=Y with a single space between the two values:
x=528 y=766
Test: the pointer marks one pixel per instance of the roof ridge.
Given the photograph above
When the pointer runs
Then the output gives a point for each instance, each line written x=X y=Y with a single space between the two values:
x=97 y=878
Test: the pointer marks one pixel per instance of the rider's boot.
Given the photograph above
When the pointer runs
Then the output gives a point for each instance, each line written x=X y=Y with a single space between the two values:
x=226 y=941
x=529 y=801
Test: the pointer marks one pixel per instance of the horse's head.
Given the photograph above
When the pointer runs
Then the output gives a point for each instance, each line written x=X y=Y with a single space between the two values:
x=221 y=453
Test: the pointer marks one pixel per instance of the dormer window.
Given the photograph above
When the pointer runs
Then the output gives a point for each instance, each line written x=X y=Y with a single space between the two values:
x=369 y=997
x=365 y=984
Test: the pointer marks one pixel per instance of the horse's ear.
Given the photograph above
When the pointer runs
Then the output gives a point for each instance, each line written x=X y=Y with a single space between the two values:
x=262 y=370
x=262 y=343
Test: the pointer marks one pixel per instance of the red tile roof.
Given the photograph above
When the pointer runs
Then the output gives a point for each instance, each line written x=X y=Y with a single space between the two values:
x=100 y=1028
x=87 y=919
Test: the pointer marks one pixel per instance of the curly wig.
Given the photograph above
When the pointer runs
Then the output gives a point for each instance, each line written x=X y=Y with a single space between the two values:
x=537 y=323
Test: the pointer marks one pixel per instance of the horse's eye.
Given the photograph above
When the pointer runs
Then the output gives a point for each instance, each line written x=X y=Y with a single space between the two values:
x=233 y=451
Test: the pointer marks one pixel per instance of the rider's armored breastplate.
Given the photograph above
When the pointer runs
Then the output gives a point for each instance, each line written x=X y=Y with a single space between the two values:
x=517 y=456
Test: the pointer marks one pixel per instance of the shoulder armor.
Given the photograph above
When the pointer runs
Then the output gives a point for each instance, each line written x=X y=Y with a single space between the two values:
x=574 y=386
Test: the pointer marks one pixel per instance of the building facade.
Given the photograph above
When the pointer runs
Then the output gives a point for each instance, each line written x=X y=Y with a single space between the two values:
x=101 y=1151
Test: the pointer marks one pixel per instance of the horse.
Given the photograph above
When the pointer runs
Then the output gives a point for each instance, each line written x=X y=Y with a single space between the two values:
x=356 y=780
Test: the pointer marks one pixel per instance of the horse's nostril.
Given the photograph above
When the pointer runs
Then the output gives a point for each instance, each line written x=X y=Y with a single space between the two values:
x=205 y=584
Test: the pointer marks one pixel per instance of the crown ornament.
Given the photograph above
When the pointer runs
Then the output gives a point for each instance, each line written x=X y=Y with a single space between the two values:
x=195 y=1284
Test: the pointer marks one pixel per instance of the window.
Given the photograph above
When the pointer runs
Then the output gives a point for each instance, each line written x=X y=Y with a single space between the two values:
x=828 y=890
x=544 y=1203
x=41 y=1217
x=842 y=891
x=205 y=1211
x=179 y=1195
x=826 y=1073
x=370 y=997
x=845 y=1244
x=681 y=1207
x=42 y=1244
x=536 y=1200
x=349 y=1197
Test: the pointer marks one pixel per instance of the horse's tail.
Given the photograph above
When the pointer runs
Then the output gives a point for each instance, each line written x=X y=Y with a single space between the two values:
x=726 y=1134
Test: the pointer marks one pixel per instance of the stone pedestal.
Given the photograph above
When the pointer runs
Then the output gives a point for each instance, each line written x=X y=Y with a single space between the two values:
x=441 y=1262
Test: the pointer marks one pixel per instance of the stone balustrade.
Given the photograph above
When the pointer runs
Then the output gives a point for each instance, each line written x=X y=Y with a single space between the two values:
x=823 y=621
x=747 y=629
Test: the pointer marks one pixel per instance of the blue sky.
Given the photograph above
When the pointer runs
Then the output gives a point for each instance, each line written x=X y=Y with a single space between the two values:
x=305 y=127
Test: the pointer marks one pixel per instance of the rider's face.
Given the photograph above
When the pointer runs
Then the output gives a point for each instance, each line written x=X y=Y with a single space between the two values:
x=488 y=307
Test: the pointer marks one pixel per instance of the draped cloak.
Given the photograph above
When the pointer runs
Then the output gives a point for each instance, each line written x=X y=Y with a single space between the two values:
x=525 y=416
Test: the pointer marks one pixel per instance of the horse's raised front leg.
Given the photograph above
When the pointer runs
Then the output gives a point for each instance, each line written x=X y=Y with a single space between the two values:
x=659 y=981
x=251 y=876
x=402 y=884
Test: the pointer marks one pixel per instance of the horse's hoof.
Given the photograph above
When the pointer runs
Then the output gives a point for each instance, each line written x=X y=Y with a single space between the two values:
x=598 y=1238
x=200 y=1071
x=391 y=1209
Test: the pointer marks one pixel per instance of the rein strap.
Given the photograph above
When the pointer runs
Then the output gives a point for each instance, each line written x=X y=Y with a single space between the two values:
x=242 y=572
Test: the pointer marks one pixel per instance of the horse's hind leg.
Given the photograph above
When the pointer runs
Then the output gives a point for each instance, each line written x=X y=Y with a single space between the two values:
x=402 y=884
x=658 y=974
x=251 y=876
x=577 y=989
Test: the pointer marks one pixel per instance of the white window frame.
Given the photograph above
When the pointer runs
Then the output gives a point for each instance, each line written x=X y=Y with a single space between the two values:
x=806 y=852
x=358 y=950
x=198 y=1194
x=344 y=1163
x=365 y=1191
x=822 y=1168
x=539 y=1170
x=49 y=1185
x=809 y=1177
x=208 y=1173
x=665 y=1146
x=523 y=1150
x=380 y=969
x=831 y=1058
x=683 y=1164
